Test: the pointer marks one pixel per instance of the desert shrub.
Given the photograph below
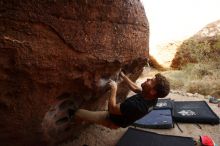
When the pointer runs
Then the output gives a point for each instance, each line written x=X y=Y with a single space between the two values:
x=200 y=51
x=197 y=51
x=202 y=78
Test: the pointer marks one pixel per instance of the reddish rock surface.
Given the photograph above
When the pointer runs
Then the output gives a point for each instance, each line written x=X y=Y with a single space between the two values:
x=55 y=48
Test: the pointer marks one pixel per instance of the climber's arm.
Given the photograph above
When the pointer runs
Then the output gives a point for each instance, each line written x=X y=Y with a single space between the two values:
x=131 y=84
x=113 y=107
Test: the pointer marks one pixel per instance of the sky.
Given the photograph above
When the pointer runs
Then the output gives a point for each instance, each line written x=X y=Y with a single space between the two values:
x=176 y=20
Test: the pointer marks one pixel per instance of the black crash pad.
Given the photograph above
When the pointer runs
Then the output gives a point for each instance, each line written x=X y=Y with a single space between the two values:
x=136 y=137
x=194 y=112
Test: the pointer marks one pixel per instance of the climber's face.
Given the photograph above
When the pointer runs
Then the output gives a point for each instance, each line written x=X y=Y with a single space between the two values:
x=148 y=88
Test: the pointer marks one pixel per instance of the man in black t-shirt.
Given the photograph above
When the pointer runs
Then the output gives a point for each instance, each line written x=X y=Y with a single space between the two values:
x=133 y=108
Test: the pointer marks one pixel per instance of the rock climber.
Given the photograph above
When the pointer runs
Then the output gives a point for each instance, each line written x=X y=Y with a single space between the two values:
x=133 y=108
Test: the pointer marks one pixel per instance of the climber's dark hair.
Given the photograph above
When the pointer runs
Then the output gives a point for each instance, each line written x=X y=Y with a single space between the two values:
x=162 y=86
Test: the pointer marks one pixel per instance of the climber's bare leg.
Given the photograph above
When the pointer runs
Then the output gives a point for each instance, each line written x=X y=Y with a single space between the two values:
x=97 y=117
x=102 y=117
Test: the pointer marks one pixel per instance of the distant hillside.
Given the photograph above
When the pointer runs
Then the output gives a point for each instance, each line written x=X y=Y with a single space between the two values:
x=209 y=31
x=198 y=62
x=204 y=46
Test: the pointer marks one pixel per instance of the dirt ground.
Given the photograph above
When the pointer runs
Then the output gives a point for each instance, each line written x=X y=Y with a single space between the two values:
x=97 y=135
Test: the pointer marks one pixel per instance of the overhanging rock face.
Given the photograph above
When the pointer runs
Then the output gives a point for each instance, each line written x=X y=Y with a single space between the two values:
x=53 y=48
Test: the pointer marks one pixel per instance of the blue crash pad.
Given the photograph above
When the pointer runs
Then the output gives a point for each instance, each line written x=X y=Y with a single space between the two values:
x=156 y=119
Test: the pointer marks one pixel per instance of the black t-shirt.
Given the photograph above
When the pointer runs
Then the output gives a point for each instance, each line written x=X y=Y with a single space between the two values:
x=132 y=109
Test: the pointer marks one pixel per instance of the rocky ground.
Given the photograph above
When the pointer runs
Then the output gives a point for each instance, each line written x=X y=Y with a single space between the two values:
x=97 y=135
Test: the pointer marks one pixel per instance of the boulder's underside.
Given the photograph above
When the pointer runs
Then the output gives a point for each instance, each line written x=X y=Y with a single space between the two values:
x=53 y=49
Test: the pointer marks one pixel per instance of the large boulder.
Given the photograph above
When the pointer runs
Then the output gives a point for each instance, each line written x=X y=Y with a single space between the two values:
x=52 y=49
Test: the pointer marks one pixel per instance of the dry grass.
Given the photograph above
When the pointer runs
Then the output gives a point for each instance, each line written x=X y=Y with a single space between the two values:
x=196 y=78
x=204 y=78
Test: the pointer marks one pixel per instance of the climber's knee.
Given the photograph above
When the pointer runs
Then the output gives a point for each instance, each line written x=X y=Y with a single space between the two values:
x=91 y=116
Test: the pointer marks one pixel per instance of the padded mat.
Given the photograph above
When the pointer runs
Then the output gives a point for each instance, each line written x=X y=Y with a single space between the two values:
x=164 y=104
x=194 y=112
x=156 y=119
x=135 y=137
